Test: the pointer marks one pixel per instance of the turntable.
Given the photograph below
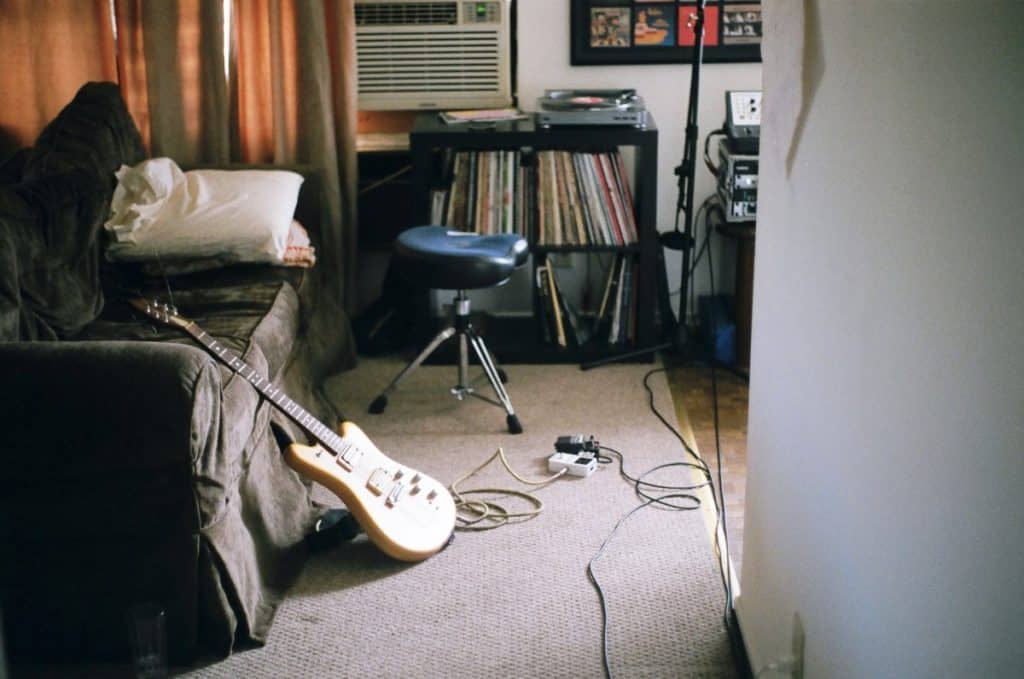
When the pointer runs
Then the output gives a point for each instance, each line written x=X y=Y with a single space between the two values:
x=591 y=107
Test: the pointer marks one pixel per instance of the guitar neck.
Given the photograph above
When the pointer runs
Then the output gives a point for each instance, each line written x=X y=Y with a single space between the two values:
x=312 y=426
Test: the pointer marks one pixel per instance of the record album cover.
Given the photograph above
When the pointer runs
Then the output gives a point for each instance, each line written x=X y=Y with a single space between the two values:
x=609 y=26
x=655 y=26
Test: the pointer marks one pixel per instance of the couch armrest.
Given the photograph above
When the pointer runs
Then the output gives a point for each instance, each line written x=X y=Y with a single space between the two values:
x=126 y=401
x=117 y=481
x=113 y=429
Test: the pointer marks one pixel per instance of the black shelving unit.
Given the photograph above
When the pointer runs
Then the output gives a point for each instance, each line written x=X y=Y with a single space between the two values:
x=510 y=340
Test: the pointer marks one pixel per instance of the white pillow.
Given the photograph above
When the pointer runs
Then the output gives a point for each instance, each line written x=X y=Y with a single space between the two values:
x=158 y=211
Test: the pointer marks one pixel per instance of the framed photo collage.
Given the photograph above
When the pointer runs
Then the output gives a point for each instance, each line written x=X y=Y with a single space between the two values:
x=660 y=32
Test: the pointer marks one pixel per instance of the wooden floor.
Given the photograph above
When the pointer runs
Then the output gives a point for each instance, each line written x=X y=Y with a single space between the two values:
x=691 y=389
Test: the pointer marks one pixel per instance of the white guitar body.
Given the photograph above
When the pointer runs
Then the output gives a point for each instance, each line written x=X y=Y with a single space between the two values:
x=406 y=514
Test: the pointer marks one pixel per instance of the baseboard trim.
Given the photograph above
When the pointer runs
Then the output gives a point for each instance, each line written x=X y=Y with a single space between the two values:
x=741 y=647
x=707 y=502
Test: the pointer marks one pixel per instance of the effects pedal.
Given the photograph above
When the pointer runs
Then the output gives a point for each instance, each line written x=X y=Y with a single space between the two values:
x=576 y=444
x=577 y=465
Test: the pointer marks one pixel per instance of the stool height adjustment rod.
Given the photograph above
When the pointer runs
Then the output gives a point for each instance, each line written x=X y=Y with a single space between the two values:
x=467 y=337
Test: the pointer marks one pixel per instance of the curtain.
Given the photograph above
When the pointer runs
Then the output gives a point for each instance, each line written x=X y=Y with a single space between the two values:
x=288 y=97
x=44 y=68
x=172 y=75
x=296 y=103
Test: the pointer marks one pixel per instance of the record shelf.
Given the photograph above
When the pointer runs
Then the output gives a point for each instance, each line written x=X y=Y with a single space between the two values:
x=519 y=340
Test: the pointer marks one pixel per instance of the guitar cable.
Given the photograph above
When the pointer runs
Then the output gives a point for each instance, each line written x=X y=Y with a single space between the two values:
x=488 y=514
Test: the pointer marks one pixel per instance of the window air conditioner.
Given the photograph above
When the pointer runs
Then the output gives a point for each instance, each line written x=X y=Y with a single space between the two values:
x=430 y=54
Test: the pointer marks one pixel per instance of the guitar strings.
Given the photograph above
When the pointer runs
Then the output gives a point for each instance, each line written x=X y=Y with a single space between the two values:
x=488 y=514
x=167 y=282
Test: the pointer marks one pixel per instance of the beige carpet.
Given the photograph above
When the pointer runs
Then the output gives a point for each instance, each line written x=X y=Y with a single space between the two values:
x=516 y=601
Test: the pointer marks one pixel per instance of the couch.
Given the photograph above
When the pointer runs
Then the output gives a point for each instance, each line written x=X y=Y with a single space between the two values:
x=136 y=468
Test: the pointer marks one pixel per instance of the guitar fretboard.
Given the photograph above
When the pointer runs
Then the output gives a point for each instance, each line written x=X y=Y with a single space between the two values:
x=312 y=426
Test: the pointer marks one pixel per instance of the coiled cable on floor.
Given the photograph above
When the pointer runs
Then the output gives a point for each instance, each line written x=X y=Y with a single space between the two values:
x=487 y=514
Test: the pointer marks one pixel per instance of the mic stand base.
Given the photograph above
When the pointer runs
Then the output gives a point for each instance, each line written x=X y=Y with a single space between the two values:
x=680 y=345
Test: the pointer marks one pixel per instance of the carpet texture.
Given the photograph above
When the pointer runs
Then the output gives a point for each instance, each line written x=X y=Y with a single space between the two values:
x=516 y=601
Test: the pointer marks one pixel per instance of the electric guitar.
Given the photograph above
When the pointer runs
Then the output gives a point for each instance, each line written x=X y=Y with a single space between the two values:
x=407 y=514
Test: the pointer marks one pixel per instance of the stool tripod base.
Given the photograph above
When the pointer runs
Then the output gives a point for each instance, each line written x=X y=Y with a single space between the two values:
x=467 y=338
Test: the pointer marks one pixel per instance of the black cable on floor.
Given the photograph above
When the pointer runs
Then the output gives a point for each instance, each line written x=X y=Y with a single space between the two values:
x=662 y=499
x=674 y=499
x=718 y=444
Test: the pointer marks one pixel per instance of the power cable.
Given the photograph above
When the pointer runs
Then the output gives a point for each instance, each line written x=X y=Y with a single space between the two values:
x=670 y=500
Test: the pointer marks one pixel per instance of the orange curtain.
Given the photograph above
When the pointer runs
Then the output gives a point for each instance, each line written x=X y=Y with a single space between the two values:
x=341 y=45
x=266 y=80
x=294 y=78
x=171 y=62
x=291 y=100
x=50 y=48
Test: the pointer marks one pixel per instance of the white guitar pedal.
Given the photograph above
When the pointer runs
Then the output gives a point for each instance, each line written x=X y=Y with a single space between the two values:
x=577 y=465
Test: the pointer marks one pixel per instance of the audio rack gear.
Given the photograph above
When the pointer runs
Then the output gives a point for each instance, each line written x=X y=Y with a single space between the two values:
x=737 y=183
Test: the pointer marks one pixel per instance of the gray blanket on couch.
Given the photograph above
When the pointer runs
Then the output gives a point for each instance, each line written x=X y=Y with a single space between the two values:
x=135 y=466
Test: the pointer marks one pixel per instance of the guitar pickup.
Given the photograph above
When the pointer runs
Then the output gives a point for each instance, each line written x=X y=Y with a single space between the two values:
x=348 y=457
x=377 y=480
x=395 y=494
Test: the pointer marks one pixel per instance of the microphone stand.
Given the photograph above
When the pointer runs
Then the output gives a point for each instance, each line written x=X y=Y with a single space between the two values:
x=676 y=239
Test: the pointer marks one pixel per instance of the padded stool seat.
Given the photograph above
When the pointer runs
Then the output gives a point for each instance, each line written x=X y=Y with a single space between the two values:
x=442 y=258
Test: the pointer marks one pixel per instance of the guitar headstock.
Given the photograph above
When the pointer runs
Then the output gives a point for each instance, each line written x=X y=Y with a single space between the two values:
x=165 y=313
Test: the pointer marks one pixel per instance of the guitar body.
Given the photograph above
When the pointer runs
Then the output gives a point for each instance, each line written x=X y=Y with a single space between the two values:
x=406 y=514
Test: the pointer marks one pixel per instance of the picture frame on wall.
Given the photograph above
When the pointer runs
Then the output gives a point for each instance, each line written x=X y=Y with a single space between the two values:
x=661 y=31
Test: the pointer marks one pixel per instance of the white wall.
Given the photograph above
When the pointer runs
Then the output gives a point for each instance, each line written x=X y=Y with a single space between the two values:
x=543 y=34
x=885 y=497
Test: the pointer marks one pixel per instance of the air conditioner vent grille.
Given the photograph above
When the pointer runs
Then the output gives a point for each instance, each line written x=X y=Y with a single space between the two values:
x=429 y=61
x=407 y=14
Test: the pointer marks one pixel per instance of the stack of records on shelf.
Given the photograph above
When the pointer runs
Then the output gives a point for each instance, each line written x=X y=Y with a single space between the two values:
x=583 y=199
x=554 y=198
x=486 y=192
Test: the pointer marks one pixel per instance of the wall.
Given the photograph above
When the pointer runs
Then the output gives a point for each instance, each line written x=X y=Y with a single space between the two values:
x=543 y=63
x=886 y=404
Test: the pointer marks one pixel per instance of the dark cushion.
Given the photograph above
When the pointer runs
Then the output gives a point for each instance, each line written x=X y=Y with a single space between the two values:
x=94 y=132
x=13 y=166
x=49 y=266
x=439 y=257
x=51 y=217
